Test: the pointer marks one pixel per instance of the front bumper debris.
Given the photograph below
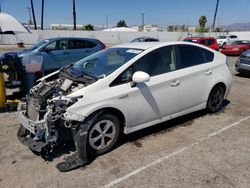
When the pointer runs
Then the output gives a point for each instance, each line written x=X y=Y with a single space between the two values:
x=35 y=135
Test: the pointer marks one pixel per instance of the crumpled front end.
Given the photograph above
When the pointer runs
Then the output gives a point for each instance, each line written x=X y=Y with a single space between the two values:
x=42 y=114
x=44 y=128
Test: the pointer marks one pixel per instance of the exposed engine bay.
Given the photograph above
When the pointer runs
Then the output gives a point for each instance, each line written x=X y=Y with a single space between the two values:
x=42 y=112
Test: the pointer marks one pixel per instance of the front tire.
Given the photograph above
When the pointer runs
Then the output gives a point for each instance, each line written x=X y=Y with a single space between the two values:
x=103 y=134
x=215 y=99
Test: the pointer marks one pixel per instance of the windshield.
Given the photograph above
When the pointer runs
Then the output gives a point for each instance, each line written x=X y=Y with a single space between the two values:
x=39 y=44
x=221 y=37
x=106 y=61
x=239 y=42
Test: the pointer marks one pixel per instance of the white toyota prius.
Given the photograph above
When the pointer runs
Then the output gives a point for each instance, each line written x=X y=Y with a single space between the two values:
x=124 y=88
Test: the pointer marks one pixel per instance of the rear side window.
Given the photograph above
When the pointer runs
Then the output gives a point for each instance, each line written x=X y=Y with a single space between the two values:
x=208 y=56
x=190 y=55
x=78 y=44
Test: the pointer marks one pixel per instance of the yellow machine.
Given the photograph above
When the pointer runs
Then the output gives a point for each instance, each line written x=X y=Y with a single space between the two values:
x=2 y=92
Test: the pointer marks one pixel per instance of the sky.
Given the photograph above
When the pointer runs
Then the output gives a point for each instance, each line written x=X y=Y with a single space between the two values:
x=160 y=12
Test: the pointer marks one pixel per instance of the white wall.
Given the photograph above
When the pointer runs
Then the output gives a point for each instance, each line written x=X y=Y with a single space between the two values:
x=109 y=38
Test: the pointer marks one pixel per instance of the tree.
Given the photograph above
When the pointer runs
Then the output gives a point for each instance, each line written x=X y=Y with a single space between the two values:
x=121 y=23
x=89 y=27
x=202 y=24
x=217 y=29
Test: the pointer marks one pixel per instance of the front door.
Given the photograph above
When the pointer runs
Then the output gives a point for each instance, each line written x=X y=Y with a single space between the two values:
x=55 y=55
x=159 y=97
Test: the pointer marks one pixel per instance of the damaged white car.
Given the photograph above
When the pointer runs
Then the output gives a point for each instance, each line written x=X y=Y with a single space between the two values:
x=121 y=89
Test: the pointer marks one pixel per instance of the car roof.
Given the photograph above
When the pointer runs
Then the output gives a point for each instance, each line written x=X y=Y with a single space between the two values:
x=60 y=38
x=197 y=38
x=147 y=45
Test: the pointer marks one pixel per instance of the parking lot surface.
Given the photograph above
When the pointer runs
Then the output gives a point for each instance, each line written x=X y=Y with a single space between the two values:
x=198 y=150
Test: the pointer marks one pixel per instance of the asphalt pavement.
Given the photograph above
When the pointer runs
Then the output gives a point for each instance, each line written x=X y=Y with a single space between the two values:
x=197 y=150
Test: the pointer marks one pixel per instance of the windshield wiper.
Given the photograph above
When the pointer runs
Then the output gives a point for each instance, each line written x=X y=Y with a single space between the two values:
x=89 y=75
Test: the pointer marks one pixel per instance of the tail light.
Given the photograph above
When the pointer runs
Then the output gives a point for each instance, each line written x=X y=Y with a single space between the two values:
x=103 y=46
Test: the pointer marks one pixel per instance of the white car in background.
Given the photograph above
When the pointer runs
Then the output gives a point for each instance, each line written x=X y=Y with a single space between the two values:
x=223 y=40
x=124 y=88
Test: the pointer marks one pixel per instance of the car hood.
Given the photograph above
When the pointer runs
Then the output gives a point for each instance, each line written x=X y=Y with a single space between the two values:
x=19 y=53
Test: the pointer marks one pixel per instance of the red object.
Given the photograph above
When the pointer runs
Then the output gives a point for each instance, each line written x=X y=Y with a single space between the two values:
x=210 y=42
x=234 y=49
x=103 y=46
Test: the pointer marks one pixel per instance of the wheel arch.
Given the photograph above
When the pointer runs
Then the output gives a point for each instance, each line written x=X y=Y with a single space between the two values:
x=222 y=84
x=118 y=113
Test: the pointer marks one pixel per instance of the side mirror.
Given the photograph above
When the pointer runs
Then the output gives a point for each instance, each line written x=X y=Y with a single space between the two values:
x=47 y=50
x=140 y=77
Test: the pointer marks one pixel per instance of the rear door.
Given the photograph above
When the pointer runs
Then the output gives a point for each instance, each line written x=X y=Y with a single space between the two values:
x=196 y=74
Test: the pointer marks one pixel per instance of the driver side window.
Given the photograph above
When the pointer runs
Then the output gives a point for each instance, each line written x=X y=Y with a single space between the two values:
x=57 y=45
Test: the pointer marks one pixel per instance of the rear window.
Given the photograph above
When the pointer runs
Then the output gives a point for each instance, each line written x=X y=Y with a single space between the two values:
x=233 y=37
x=207 y=42
x=221 y=37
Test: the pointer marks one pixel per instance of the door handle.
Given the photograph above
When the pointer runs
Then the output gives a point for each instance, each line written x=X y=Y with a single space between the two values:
x=66 y=53
x=175 y=83
x=208 y=72
x=88 y=51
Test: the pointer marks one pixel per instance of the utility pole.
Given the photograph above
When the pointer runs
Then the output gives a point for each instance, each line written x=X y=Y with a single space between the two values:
x=107 y=21
x=42 y=14
x=215 y=13
x=74 y=14
x=33 y=13
x=142 y=21
x=30 y=21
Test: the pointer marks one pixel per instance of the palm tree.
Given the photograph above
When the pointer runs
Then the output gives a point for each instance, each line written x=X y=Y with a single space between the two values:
x=202 y=22
x=215 y=13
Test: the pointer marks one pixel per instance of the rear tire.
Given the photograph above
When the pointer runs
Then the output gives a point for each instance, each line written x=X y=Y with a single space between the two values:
x=103 y=134
x=215 y=99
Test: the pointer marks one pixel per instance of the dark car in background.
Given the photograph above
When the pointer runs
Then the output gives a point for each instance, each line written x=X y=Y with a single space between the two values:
x=210 y=42
x=243 y=63
x=236 y=48
x=145 y=39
